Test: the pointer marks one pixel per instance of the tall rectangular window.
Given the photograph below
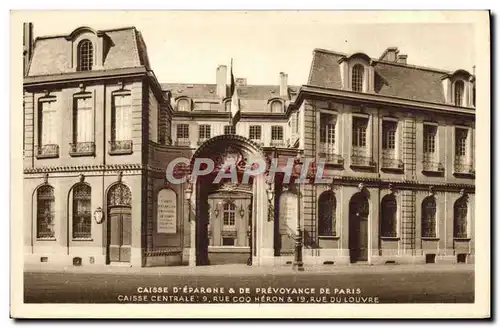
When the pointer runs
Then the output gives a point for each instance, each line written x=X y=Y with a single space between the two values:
x=430 y=132
x=276 y=132
x=255 y=132
x=359 y=127
x=205 y=132
x=122 y=117
x=229 y=129
x=327 y=129
x=389 y=135
x=461 y=135
x=183 y=131
x=48 y=123
x=83 y=126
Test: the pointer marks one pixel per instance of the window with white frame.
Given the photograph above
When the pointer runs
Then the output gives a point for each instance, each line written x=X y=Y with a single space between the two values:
x=459 y=93
x=47 y=134
x=183 y=131
x=359 y=127
x=327 y=132
x=205 y=131
x=229 y=216
x=83 y=126
x=85 y=55
x=122 y=117
x=229 y=129
x=255 y=132
x=276 y=133
x=461 y=135
x=183 y=105
x=357 y=78
x=430 y=132
x=276 y=107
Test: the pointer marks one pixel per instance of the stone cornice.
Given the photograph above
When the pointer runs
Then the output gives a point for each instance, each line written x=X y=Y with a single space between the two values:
x=377 y=100
x=83 y=168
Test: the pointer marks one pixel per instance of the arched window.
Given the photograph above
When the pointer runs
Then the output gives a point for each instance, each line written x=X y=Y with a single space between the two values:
x=276 y=107
x=183 y=105
x=119 y=195
x=388 y=226
x=85 y=55
x=229 y=215
x=82 y=221
x=45 y=212
x=459 y=93
x=460 y=218
x=357 y=78
x=429 y=217
x=327 y=205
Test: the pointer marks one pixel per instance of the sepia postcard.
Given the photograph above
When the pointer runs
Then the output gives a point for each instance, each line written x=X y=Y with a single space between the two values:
x=259 y=164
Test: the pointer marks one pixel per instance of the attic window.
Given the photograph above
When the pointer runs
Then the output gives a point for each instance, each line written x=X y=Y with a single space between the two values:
x=85 y=55
x=183 y=105
x=357 y=78
x=459 y=93
x=276 y=107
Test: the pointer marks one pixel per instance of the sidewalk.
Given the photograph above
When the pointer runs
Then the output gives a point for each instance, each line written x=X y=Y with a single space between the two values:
x=241 y=269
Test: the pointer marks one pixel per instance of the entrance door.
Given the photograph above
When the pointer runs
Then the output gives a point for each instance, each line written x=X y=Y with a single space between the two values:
x=358 y=228
x=120 y=234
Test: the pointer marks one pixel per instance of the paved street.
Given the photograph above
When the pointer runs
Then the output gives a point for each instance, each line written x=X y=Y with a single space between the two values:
x=348 y=284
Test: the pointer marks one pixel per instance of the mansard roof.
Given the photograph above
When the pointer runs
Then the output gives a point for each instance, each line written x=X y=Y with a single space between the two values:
x=391 y=78
x=253 y=98
x=123 y=48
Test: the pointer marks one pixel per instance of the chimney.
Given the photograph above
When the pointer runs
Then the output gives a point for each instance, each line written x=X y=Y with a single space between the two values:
x=283 y=85
x=390 y=54
x=402 y=59
x=27 y=45
x=221 y=79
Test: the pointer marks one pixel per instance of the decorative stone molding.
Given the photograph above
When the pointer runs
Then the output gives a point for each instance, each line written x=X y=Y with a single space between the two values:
x=120 y=176
x=81 y=177
x=77 y=168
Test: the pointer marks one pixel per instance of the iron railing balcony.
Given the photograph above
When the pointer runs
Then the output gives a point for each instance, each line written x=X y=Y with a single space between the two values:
x=462 y=167
x=47 y=151
x=82 y=149
x=329 y=153
x=277 y=143
x=361 y=159
x=390 y=162
x=258 y=142
x=120 y=147
x=431 y=165
x=183 y=142
x=201 y=141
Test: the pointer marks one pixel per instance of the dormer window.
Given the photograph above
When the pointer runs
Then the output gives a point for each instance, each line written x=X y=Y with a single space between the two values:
x=459 y=93
x=183 y=105
x=357 y=78
x=85 y=55
x=276 y=107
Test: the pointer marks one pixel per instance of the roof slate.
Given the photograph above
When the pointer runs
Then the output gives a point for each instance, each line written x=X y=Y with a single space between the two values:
x=391 y=79
x=52 y=55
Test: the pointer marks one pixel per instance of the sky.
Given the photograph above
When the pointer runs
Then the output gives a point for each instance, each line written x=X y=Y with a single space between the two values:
x=187 y=47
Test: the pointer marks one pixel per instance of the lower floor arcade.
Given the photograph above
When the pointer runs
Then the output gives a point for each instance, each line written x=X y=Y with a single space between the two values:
x=133 y=216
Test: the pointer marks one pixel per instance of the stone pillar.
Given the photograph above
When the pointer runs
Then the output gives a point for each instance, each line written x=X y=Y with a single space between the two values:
x=192 y=226
x=261 y=225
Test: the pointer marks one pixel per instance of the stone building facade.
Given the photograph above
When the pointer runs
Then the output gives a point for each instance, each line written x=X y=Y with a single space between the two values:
x=100 y=131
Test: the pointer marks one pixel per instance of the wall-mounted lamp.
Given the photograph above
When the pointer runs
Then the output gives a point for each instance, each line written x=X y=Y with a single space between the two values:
x=242 y=211
x=98 y=215
x=217 y=211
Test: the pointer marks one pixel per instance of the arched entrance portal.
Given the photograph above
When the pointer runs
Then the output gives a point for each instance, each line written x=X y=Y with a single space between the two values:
x=358 y=227
x=228 y=211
